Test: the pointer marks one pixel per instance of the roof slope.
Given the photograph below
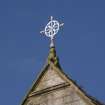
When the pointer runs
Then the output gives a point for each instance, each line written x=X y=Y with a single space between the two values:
x=54 y=62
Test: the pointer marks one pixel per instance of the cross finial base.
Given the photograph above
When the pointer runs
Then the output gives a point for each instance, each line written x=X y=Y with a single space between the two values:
x=52 y=42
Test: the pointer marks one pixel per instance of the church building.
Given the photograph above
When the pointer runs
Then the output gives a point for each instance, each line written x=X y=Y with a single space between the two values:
x=53 y=86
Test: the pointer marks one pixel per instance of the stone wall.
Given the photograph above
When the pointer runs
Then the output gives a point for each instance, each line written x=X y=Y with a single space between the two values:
x=65 y=96
x=49 y=79
x=60 y=96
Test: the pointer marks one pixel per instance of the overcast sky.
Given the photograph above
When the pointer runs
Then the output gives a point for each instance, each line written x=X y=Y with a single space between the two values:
x=80 y=44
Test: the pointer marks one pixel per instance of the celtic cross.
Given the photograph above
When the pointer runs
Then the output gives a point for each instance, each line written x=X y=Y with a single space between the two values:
x=51 y=29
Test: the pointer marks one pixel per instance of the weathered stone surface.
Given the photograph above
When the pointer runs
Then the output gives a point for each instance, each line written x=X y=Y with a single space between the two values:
x=65 y=96
x=53 y=87
x=49 y=79
x=62 y=96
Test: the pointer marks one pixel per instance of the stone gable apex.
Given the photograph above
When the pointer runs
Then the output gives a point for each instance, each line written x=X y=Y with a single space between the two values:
x=53 y=78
